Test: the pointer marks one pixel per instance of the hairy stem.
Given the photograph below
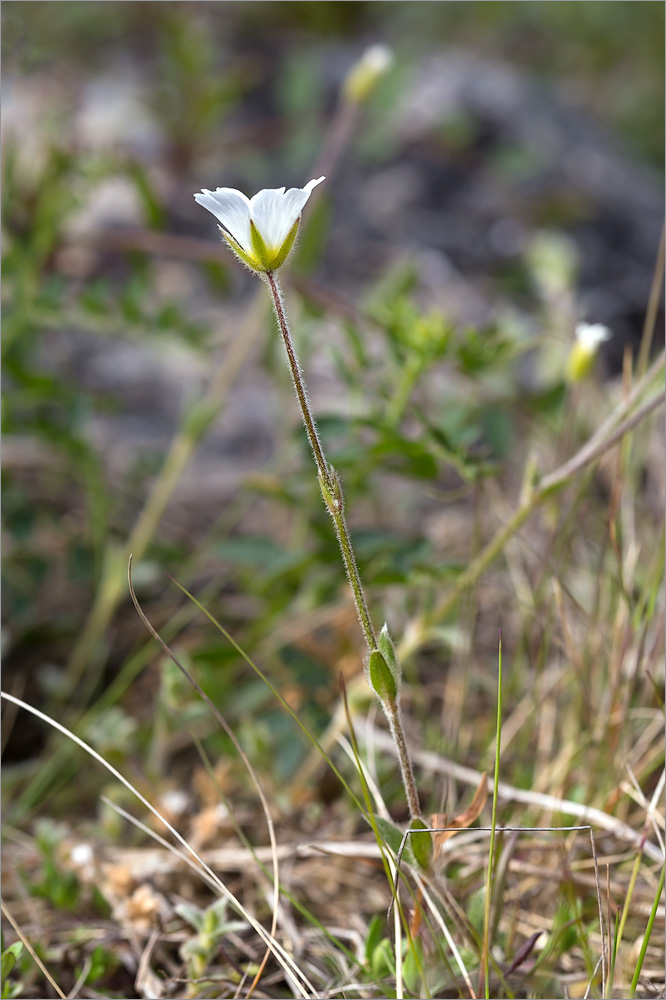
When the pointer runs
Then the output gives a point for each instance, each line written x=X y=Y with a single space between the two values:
x=328 y=480
x=395 y=723
x=331 y=490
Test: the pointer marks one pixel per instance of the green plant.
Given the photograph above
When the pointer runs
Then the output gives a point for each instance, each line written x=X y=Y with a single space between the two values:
x=482 y=488
x=8 y=961
x=212 y=925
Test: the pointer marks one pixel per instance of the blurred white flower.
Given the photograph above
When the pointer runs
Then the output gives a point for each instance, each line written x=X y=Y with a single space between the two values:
x=589 y=336
x=365 y=74
x=260 y=230
x=174 y=801
x=81 y=854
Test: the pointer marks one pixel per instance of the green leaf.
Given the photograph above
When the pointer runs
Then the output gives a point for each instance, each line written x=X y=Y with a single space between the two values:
x=381 y=678
x=392 y=834
x=382 y=961
x=10 y=957
x=192 y=914
x=374 y=936
x=421 y=843
x=387 y=649
x=413 y=967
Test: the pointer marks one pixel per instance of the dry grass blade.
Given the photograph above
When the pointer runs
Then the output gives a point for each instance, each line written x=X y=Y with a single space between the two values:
x=465 y=819
x=250 y=769
x=439 y=920
x=300 y=981
x=601 y=914
x=594 y=816
x=31 y=951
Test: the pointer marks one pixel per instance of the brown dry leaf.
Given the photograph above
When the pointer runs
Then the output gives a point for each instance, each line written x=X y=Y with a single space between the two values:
x=464 y=819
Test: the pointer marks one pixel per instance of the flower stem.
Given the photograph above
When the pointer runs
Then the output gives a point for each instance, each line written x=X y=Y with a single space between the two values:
x=328 y=479
x=392 y=712
x=331 y=490
x=297 y=376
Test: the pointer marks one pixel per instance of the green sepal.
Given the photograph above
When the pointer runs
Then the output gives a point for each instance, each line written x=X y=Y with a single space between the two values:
x=285 y=249
x=387 y=649
x=381 y=678
x=261 y=254
x=579 y=363
x=243 y=257
x=421 y=843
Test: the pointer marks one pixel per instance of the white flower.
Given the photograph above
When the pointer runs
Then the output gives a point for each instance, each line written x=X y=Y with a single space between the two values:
x=260 y=230
x=588 y=338
x=81 y=855
x=590 y=335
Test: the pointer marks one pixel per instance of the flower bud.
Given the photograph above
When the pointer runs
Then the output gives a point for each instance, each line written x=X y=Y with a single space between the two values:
x=366 y=73
x=582 y=354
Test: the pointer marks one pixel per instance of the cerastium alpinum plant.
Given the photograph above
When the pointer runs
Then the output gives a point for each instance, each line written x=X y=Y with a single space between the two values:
x=261 y=231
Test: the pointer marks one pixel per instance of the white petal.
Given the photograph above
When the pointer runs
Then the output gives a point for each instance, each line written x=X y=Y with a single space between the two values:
x=377 y=58
x=232 y=209
x=275 y=210
x=313 y=184
x=268 y=214
x=590 y=335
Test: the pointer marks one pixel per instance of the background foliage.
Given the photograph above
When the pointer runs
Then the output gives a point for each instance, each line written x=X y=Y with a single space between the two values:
x=148 y=410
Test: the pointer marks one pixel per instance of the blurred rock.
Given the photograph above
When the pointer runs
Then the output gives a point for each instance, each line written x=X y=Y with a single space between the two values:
x=487 y=159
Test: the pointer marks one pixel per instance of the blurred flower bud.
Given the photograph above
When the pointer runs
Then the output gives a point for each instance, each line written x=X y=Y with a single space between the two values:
x=581 y=356
x=553 y=261
x=366 y=73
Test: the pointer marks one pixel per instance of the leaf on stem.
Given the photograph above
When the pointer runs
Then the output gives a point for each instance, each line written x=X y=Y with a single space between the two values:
x=381 y=678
